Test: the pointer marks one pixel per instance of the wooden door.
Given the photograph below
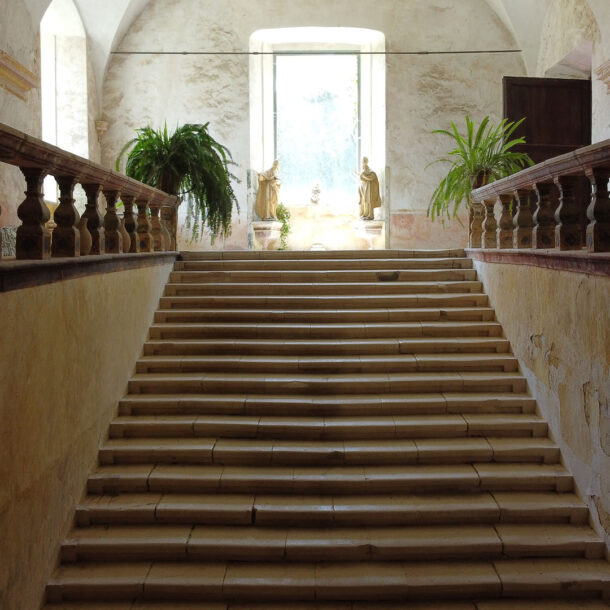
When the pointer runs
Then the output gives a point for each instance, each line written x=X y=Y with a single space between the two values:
x=558 y=120
x=558 y=112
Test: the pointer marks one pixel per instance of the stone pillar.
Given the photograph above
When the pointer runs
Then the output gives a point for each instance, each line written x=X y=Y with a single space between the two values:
x=598 y=212
x=505 y=224
x=66 y=234
x=523 y=220
x=145 y=238
x=130 y=223
x=155 y=223
x=94 y=218
x=490 y=225
x=477 y=214
x=114 y=239
x=569 y=235
x=543 y=235
x=33 y=238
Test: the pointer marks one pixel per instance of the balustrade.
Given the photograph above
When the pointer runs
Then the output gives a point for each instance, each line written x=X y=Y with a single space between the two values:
x=94 y=233
x=540 y=206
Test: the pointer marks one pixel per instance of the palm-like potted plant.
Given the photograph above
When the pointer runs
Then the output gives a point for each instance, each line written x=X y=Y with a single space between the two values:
x=188 y=163
x=479 y=158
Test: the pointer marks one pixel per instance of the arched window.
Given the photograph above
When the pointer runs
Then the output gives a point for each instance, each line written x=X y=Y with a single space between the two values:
x=63 y=51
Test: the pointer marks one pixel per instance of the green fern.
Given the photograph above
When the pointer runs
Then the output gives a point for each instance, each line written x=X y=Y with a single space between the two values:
x=189 y=163
x=479 y=158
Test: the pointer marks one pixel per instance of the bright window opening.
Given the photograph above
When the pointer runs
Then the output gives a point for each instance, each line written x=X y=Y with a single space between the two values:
x=317 y=126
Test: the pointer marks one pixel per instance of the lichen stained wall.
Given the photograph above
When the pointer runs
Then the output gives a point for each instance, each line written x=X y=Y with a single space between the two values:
x=423 y=92
x=558 y=324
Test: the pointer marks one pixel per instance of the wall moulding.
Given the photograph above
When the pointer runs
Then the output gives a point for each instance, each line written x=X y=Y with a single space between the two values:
x=603 y=72
x=15 y=78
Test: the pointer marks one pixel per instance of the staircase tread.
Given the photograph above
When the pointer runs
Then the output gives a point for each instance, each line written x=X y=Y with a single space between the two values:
x=317 y=430
x=395 y=579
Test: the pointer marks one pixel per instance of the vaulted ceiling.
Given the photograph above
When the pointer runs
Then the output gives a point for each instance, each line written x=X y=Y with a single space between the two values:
x=107 y=22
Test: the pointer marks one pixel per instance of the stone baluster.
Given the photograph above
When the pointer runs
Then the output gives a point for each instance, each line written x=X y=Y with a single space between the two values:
x=569 y=235
x=169 y=221
x=155 y=223
x=476 y=224
x=598 y=212
x=505 y=223
x=33 y=237
x=130 y=223
x=490 y=225
x=112 y=223
x=95 y=220
x=170 y=243
x=66 y=234
x=523 y=220
x=145 y=238
x=543 y=235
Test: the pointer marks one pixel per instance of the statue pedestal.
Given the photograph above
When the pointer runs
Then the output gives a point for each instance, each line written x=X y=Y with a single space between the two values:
x=266 y=232
x=369 y=230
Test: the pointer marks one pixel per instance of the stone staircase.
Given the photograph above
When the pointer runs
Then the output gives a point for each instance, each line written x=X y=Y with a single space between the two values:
x=332 y=430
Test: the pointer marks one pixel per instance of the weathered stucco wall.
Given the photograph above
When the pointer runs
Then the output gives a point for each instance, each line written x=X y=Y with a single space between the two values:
x=567 y=24
x=66 y=354
x=422 y=92
x=20 y=40
x=559 y=326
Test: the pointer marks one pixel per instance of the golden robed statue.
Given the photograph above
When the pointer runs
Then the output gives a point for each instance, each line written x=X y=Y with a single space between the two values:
x=368 y=190
x=268 y=196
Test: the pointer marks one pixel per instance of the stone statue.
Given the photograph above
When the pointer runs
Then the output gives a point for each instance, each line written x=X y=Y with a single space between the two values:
x=368 y=190
x=267 y=198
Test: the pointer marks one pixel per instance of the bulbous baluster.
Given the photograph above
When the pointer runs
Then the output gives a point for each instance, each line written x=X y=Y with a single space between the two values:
x=66 y=234
x=33 y=237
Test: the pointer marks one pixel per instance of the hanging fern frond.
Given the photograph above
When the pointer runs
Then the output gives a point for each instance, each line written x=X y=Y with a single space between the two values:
x=189 y=163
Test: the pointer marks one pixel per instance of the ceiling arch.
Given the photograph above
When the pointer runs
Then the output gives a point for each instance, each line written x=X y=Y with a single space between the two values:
x=106 y=23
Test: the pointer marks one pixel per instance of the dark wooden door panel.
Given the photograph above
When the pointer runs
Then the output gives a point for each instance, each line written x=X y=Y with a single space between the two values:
x=557 y=111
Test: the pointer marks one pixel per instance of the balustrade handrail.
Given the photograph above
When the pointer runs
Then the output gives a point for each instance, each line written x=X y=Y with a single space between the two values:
x=572 y=163
x=92 y=233
x=542 y=207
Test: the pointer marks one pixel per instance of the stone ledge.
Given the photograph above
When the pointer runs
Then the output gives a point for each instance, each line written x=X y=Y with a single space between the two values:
x=15 y=275
x=575 y=261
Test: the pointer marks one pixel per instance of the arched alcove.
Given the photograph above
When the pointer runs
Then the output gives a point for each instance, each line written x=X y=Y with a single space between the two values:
x=353 y=54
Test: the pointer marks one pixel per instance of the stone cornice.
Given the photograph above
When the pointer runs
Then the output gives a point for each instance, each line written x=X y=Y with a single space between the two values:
x=15 y=78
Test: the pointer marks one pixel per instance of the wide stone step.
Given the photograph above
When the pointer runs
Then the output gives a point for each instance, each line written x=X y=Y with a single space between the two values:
x=293 y=331
x=311 y=276
x=371 y=580
x=329 y=510
x=374 y=543
x=359 y=347
x=304 y=255
x=334 y=479
x=321 y=288
x=325 y=302
x=327 y=453
x=374 y=363
x=326 y=405
x=313 y=316
x=490 y=604
x=376 y=427
x=324 y=264
x=371 y=383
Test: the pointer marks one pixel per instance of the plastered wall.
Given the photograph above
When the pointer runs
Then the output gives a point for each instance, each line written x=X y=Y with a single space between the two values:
x=558 y=324
x=567 y=24
x=66 y=353
x=423 y=92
